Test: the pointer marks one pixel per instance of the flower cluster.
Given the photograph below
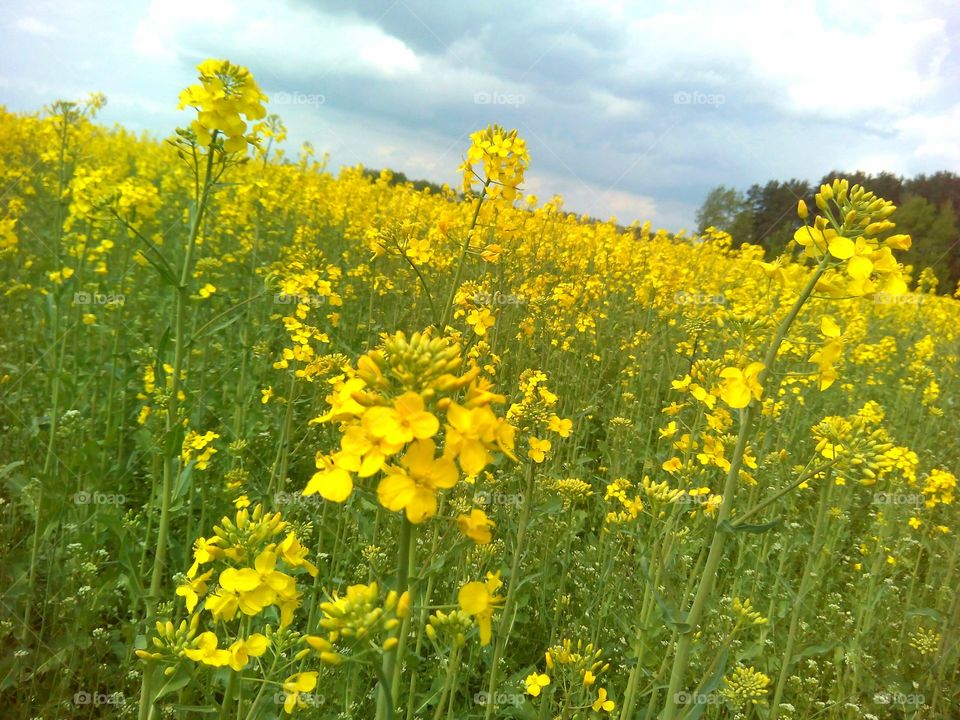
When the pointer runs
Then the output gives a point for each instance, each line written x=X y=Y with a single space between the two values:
x=357 y=619
x=240 y=588
x=534 y=415
x=504 y=158
x=198 y=448
x=578 y=667
x=745 y=686
x=226 y=98
x=850 y=232
x=390 y=408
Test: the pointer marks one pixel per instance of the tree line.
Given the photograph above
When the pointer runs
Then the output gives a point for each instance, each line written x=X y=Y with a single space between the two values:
x=927 y=208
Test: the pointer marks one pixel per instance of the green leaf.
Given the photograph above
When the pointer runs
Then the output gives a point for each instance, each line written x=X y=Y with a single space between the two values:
x=183 y=482
x=727 y=526
x=179 y=680
x=9 y=468
x=814 y=650
x=163 y=270
x=925 y=612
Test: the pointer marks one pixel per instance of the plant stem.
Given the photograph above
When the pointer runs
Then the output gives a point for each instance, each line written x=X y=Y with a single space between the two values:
x=463 y=256
x=798 y=600
x=171 y=464
x=505 y=619
x=715 y=555
x=391 y=667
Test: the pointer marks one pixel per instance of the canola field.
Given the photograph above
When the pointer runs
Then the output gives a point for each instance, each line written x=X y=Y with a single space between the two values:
x=279 y=441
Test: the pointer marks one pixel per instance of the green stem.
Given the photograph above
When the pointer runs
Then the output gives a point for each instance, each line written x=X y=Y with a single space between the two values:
x=391 y=667
x=505 y=618
x=447 y=683
x=171 y=464
x=798 y=599
x=463 y=256
x=715 y=555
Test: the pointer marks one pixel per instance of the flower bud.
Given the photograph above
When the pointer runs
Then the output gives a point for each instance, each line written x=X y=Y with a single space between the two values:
x=802 y=210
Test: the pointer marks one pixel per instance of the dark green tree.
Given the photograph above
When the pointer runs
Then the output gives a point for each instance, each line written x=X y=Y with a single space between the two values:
x=725 y=208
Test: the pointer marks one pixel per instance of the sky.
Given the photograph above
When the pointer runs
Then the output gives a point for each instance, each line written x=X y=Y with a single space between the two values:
x=629 y=109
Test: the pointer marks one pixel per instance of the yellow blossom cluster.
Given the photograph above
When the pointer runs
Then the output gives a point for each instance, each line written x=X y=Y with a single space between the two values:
x=226 y=98
x=390 y=408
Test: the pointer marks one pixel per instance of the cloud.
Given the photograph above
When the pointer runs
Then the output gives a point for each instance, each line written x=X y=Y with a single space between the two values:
x=629 y=109
x=288 y=42
x=33 y=26
x=934 y=136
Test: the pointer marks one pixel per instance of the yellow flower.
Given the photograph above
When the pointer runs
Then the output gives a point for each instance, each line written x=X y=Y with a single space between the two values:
x=334 y=483
x=476 y=526
x=295 y=555
x=204 y=551
x=359 y=442
x=535 y=683
x=472 y=433
x=225 y=93
x=413 y=487
x=242 y=650
x=192 y=590
x=479 y=599
x=265 y=394
x=223 y=604
x=480 y=320
x=673 y=465
x=538 y=449
x=404 y=422
x=561 y=426
x=740 y=386
x=259 y=586
x=294 y=686
x=205 y=651
x=602 y=703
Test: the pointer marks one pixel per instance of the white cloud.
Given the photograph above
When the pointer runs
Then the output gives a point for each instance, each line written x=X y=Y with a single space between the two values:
x=33 y=26
x=157 y=35
x=289 y=40
x=934 y=137
x=841 y=60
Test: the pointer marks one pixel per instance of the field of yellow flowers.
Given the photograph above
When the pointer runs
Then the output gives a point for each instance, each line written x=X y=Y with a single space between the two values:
x=278 y=442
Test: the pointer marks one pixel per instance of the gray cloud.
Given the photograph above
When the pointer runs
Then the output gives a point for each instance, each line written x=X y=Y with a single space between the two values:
x=626 y=112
